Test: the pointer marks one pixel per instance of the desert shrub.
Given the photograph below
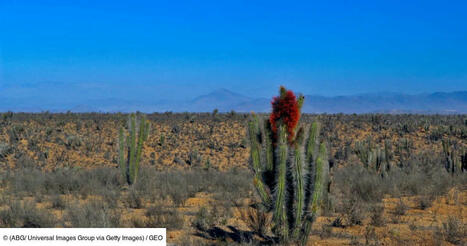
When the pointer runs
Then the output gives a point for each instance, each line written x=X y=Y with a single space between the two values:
x=325 y=232
x=24 y=162
x=148 y=180
x=138 y=222
x=102 y=177
x=203 y=219
x=159 y=217
x=73 y=142
x=338 y=222
x=424 y=176
x=370 y=235
x=178 y=197
x=57 y=202
x=401 y=208
x=25 y=214
x=177 y=191
x=94 y=213
x=5 y=149
x=4 y=197
x=232 y=185
x=26 y=181
x=453 y=230
x=110 y=197
x=425 y=202
x=354 y=211
x=179 y=185
x=436 y=134
x=133 y=199
x=377 y=215
x=358 y=182
x=63 y=181
x=256 y=219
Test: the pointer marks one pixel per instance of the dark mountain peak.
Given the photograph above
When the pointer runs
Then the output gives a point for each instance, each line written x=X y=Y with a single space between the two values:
x=58 y=96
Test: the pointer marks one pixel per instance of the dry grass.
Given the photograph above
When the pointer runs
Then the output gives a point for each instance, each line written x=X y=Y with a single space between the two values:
x=63 y=166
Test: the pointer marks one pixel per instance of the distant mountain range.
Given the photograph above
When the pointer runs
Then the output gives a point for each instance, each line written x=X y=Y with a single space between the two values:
x=81 y=100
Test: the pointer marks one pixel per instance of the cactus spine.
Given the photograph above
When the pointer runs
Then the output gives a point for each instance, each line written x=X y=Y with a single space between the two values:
x=133 y=146
x=290 y=168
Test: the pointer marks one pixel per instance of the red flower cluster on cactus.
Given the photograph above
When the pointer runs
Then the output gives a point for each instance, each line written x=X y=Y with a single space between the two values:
x=285 y=108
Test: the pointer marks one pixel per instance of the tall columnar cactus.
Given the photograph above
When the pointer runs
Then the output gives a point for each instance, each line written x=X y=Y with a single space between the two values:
x=372 y=157
x=131 y=143
x=464 y=161
x=456 y=159
x=290 y=168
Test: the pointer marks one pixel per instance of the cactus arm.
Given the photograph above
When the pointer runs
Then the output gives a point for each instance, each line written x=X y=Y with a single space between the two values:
x=307 y=225
x=322 y=169
x=280 y=215
x=147 y=129
x=387 y=154
x=132 y=143
x=320 y=178
x=141 y=138
x=268 y=146
x=253 y=129
x=254 y=148
x=311 y=155
x=121 y=148
x=313 y=142
x=464 y=162
x=299 y=190
x=259 y=185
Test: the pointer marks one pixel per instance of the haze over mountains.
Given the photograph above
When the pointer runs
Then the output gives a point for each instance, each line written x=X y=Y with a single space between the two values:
x=61 y=97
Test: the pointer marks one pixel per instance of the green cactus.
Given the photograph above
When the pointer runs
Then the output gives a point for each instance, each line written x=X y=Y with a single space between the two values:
x=289 y=176
x=133 y=146
x=464 y=161
x=364 y=151
x=456 y=158
x=373 y=158
x=388 y=153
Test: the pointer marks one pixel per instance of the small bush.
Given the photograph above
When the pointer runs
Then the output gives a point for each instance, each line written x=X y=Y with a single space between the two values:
x=133 y=199
x=377 y=215
x=110 y=197
x=401 y=208
x=256 y=219
x=26 y=215
x=326 y=231
x=354 y=211
x=57 y=202
x=356 y=181
x=158 y=217
x=425 y=202
x=370 y=235
x=93 y=214
x=453 y=230
x=203 y=220
x=338 y=223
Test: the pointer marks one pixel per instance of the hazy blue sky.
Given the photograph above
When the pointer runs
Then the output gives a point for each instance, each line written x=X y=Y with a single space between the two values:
x=193 y=47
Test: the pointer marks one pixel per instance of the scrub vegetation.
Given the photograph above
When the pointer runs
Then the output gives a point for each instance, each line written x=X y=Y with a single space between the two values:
x=241 y=179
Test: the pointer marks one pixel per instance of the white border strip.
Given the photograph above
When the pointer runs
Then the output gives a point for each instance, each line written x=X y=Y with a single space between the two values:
x=83 y=236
